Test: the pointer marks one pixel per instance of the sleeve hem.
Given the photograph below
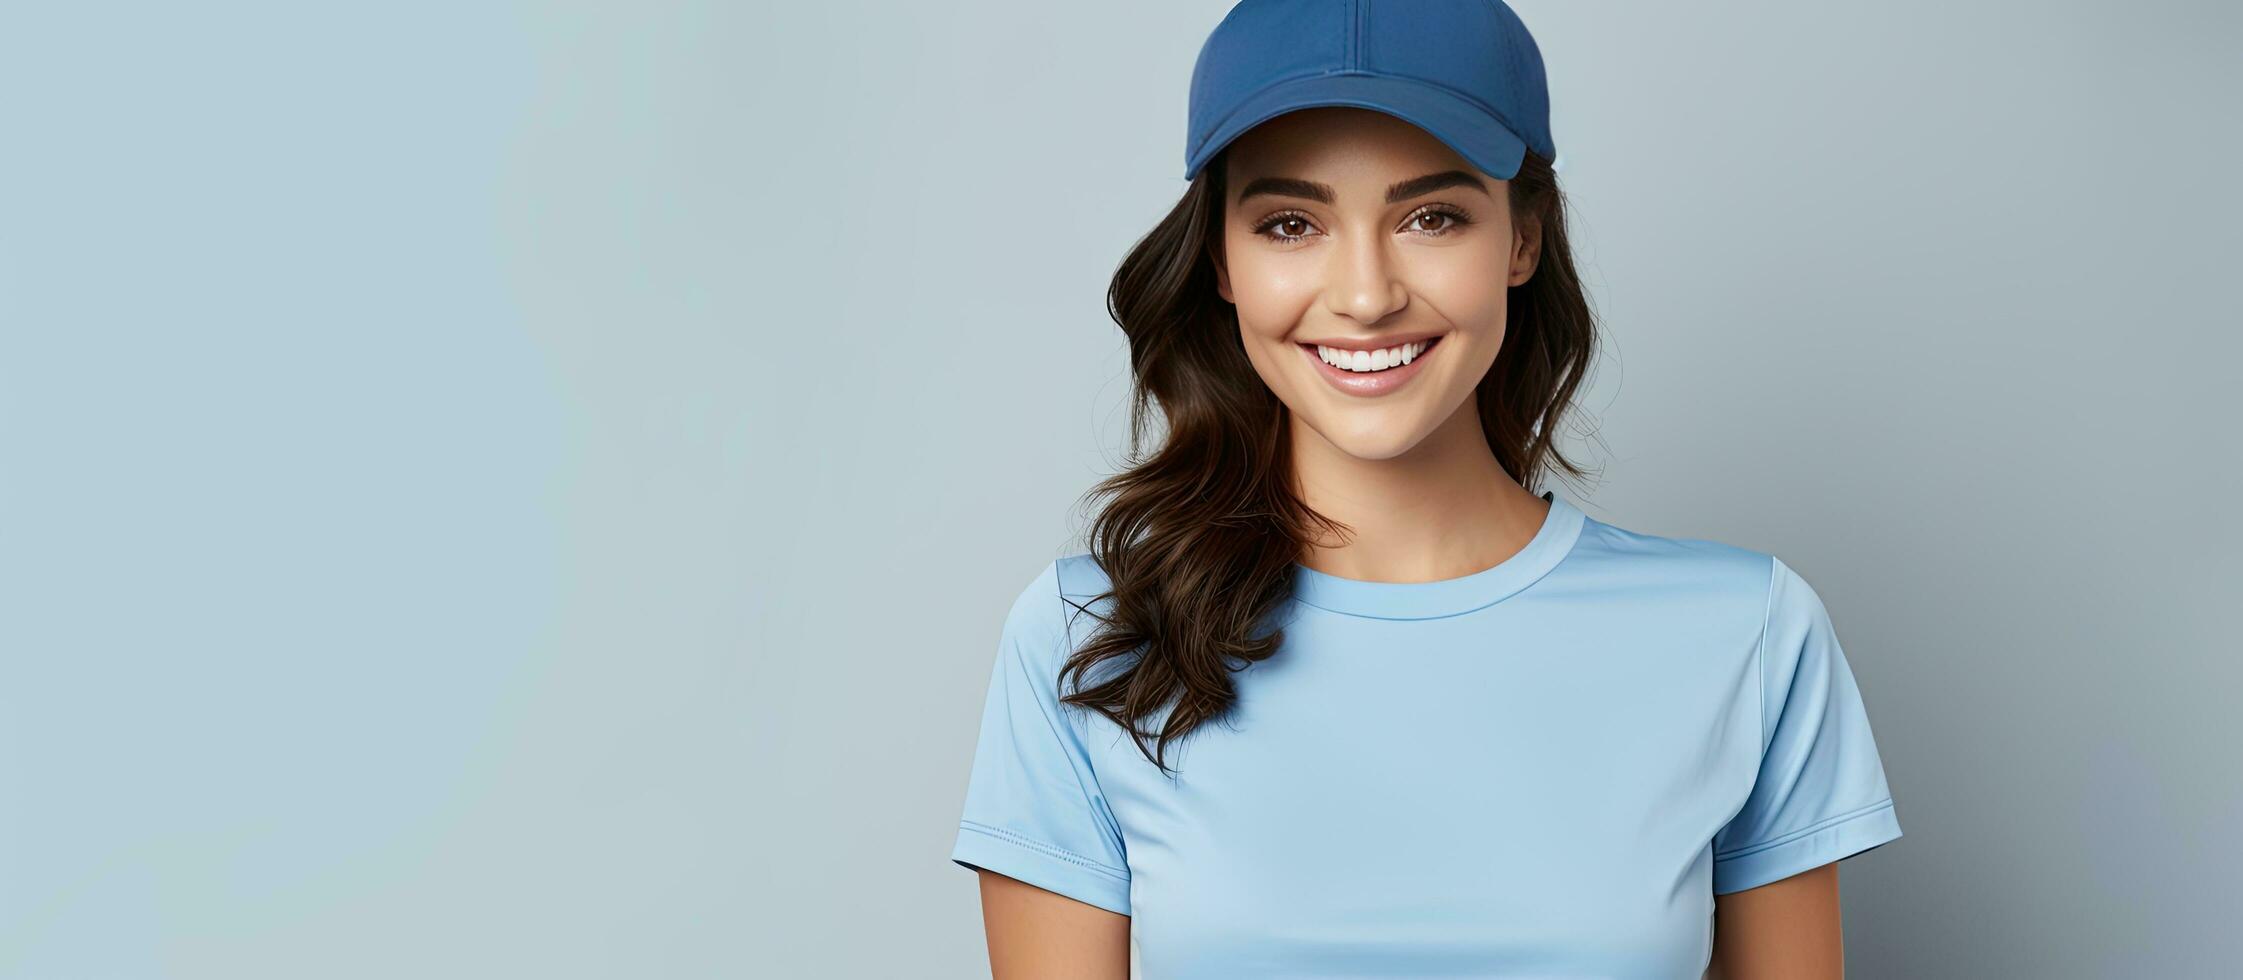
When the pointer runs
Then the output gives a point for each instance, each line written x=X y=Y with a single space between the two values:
x=1839 y=837
x=982 y=847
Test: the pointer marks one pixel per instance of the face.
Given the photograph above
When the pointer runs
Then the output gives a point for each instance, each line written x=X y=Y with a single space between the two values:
x=1352 y=236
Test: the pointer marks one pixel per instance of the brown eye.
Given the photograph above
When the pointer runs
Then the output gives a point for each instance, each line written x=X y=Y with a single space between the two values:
x=1449 y=219
x=1281 y=227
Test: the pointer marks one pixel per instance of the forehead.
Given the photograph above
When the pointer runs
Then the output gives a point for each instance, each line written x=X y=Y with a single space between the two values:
x=1341 y=146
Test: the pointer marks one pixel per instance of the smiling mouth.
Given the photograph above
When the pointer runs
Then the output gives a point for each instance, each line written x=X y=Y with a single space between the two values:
x=1372 y=361
x=1371 y=373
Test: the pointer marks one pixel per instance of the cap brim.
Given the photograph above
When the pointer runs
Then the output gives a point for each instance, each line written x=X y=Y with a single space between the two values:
x=1469 y=130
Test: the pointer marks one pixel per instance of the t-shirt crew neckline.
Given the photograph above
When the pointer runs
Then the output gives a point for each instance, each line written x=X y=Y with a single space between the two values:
x=1561 y=527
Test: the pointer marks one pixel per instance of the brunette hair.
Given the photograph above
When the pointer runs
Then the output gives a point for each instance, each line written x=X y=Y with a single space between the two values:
x=1198 y=538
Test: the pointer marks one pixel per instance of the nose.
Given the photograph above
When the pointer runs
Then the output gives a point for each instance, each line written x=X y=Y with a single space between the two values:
x=1361 y=282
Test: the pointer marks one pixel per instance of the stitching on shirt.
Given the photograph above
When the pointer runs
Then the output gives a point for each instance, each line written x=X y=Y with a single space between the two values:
x=1767 y=613
x=1073 y=718
x=1067 y=638
x=1572 y=547
x=1042 y=848
x=1884 y=804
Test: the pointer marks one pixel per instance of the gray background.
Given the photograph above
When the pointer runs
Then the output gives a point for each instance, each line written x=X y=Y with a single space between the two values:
x=531 y=490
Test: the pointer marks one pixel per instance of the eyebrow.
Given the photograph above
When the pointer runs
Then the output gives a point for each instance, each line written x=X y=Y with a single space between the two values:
x=1396 y=193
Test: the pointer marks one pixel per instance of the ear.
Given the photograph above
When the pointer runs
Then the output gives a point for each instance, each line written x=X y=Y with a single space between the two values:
x=1526 y=250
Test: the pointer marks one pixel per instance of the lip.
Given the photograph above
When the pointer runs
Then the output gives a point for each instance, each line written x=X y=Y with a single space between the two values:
x=1370 y=384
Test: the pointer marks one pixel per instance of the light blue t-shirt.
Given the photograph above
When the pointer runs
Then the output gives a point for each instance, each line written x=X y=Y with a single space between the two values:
x=1547 y=768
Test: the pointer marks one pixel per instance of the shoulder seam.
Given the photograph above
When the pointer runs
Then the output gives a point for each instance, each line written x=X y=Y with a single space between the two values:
x=1767 y=613
x=1066 y=651
x=1059 y=591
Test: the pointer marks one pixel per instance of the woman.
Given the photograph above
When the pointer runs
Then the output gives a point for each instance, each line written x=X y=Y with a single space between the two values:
x=1331 y=693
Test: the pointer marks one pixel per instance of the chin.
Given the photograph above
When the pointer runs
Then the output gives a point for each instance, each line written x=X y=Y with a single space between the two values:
x=1371 y=438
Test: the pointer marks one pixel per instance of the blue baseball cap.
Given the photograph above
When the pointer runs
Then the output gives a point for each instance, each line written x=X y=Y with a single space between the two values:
x=1465 y=71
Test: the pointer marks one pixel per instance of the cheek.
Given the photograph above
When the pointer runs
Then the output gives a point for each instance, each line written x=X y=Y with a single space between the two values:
x=1468 y=286
x=1271 y=294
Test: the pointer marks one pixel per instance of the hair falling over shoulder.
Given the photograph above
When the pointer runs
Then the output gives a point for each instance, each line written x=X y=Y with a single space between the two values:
x=1198 y=537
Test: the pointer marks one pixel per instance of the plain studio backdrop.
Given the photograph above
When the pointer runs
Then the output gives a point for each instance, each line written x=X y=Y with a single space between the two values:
x=531 y=489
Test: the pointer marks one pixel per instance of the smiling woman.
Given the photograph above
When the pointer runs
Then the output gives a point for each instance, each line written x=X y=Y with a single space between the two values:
x=1361 y=260
x=1461 y=727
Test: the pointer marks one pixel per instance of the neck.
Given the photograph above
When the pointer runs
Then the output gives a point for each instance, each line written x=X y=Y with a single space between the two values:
x=1444 y=509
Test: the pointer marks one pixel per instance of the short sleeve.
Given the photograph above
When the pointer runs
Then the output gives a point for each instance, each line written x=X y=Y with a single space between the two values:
x=1033 y=807
x=1820 y=794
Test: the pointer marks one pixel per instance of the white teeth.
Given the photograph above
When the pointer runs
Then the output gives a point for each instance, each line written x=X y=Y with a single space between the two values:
x=1371 y=360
